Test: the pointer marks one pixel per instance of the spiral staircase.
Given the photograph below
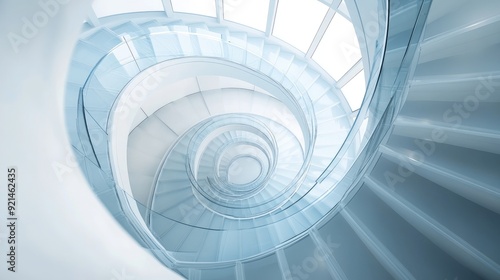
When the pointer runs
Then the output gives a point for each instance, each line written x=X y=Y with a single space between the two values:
x=232 y=155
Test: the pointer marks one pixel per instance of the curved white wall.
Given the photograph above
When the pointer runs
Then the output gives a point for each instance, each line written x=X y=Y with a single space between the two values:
x=63 y=231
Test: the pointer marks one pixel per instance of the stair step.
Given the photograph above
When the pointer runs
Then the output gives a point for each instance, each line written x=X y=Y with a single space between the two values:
x=437 y=232
x=104 y=39
x=467 y=135
x=445 y=167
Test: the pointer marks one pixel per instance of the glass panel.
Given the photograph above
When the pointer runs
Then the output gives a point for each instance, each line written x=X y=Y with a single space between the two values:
x=103 y=8
x=306 y=261
x=297 y=21
x=218 y=273
x=202 y=7
x=265 y=268
x=338 y=50
x=252 y=13
x=354 y=91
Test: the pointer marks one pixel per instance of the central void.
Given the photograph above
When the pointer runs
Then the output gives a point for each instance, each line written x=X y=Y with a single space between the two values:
x=244 y=170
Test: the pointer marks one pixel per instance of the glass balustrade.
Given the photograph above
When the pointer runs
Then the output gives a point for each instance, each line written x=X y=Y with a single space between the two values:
x=190 y=233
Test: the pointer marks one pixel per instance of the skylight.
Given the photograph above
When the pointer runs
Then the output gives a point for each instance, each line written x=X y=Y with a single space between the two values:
x=251 y=13
x=354 y=91
x=297 y=21
x=202 y=7
x=338 y=50
x=103 y=8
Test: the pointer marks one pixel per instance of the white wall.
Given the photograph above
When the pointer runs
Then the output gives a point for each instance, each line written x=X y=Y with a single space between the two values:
x=63 y=232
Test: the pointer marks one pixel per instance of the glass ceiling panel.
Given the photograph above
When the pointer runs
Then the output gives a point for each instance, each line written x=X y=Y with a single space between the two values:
x=338 y=50
x=202 y=7
x=354 y=90
x=251 y=13
x=297 y=21
x=103 y=8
